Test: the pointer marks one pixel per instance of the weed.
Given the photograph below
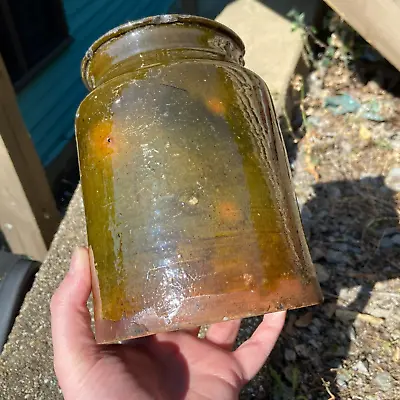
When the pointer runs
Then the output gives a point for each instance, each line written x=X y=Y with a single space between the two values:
x=342 y=44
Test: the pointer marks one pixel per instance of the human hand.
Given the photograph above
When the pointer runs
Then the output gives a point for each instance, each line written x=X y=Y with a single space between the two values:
x=174 y=365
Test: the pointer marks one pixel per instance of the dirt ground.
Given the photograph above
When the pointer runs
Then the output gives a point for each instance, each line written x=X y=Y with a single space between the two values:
x=346 y=170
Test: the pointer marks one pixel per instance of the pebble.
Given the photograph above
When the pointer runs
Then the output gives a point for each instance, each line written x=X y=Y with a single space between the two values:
x=329 y=309
x=317 y=322
x=352 y=334
x=302 y=350
x=342 y=378
x=346 y=147
x=392 y=180
x=342 y=247
x=377 y=311
x=317 y=254
x=336 y=257
x=340 y=351
x=333 y=191
x=384 y=381
x=306 y=213
x=304 y=320
x=322 y=273
x=314 y=330
x=345 y=316
x=386 y=243
x=396 y=239
x=290 y=355
x=395 y=141
x=360 y=367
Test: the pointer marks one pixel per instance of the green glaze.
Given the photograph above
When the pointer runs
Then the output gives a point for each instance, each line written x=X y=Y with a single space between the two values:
x=185 y=180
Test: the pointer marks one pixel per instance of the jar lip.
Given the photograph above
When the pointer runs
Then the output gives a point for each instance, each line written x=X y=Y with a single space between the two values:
x=156 y=20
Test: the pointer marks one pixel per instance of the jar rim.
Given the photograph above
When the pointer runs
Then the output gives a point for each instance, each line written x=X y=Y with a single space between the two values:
x=164 y=19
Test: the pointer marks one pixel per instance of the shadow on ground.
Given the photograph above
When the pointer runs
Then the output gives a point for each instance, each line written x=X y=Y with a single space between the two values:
x=352 y=234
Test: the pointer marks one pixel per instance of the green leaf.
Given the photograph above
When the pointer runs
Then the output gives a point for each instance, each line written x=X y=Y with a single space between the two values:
x=294 y=26
x=295 y=379
x=293 y=13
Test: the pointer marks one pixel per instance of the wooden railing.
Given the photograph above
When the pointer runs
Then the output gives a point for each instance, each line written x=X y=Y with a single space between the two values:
x=28 y=214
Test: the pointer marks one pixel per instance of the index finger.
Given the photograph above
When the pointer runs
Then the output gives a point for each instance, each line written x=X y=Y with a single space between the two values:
x=252 y=354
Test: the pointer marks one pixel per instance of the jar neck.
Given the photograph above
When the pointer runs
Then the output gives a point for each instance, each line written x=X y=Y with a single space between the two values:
x=156 y=41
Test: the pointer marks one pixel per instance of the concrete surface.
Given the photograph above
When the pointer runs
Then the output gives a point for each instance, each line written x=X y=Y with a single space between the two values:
x=273 y=51
x=26 y=365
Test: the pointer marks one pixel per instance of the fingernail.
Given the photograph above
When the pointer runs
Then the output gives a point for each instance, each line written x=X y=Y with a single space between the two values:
x=77 y=260
x=277 y=315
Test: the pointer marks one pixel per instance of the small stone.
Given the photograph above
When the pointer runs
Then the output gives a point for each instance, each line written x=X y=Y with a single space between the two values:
x=346 y=316
x=334 y=192
x=392 y=179
x=302 y=350
x=306 y=218
x=322 y=273
x=373 y=87
x=304 y=320
x=342 y=378
x=395 y=141
x=342 y=247
x=351 y=333
x=396 y=239
x=290 y=355
x=314 y=330
x=396 y=355
x=386 y=243
x=329 y=309
x=384 y=381
x=314 y=343
x=360 y=367
x=364 y=133
x=340 y=351
x=306 y=213
x=336 y=257
x=317 y=254
x=289 y=326
x=378 y=312
x=317 y=322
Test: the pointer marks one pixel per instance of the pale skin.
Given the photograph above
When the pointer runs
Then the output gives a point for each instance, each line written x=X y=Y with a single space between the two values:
x=175 y=365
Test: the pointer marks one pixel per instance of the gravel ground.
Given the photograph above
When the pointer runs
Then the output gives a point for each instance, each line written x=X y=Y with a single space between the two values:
x=347 y=178
x=26 y=363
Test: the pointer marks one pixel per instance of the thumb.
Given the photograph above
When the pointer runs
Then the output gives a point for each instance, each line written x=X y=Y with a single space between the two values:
x=73 y=341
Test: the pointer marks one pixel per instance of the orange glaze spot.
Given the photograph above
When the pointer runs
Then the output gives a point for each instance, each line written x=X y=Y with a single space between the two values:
x=104 y=142
x=216 y=106
x=229 y=212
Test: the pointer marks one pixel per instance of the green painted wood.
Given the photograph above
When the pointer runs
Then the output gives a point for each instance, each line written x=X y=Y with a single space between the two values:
x=48 y=103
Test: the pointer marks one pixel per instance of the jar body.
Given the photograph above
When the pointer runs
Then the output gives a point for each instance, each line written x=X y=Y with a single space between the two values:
x=191 y=216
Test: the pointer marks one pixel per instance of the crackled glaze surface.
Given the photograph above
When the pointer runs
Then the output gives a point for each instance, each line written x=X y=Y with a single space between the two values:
x=190 y=211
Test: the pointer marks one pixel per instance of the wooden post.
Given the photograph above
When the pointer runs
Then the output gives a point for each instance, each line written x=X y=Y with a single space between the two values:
x=28 y=214
x=377 y=21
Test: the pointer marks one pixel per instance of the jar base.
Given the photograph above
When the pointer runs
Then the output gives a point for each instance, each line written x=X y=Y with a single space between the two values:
x=209 y=309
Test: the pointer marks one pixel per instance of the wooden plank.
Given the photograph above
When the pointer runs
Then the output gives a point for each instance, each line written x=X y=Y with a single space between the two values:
x=28 y=214
x=377 y=21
